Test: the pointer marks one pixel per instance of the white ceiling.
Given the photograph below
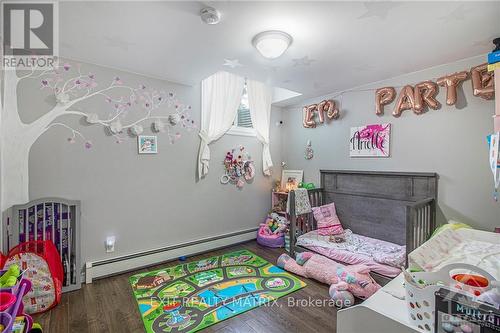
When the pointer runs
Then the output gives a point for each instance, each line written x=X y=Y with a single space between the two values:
x=337 y=45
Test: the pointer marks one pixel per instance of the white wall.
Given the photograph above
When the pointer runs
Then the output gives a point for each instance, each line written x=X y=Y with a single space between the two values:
x=450 y=141
x=146 y=201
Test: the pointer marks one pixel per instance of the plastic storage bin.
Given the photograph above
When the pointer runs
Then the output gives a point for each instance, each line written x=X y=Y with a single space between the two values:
x=420 y=297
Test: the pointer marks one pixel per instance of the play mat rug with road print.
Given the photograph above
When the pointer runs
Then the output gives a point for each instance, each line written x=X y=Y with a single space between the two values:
x=195 y=295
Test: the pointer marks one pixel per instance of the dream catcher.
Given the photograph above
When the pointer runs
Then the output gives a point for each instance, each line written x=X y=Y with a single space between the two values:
x=239 y=167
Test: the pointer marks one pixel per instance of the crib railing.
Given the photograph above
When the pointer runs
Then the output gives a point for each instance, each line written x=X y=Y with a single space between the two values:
x=422 y=222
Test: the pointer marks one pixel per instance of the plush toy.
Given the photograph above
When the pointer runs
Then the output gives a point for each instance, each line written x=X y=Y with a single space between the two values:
x=9 y=278
x=307 y=186
x=342 y=298
x=280 y=222
x=344 y=281
x=276 y=224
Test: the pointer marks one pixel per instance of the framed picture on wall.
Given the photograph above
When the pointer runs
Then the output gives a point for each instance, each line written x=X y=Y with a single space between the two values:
x=290 y=179
x=370 y=141
x=147 y=144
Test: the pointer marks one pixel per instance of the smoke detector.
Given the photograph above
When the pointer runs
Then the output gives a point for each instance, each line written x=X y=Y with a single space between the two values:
x=210 y=15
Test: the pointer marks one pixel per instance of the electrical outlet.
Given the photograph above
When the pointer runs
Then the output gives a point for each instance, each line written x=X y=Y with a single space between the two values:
x=109 y=245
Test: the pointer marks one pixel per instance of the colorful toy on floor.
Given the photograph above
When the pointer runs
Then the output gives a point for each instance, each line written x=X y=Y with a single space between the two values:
x=266 y=237
x=42 y=266
x=5 y=321
x=239 y=167
x=37 y=328
x=344 y=281
x=10 y=277
x=6 y=300
x=271 y=233
x=12 y=316
x=277 y=223
x=19 y=325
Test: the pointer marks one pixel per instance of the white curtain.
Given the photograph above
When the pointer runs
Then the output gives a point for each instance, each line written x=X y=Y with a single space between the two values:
x=220 y=99
x=260 y=97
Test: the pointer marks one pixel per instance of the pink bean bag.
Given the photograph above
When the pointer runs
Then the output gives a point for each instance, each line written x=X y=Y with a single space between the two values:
x=353 y=279
x=266 y=237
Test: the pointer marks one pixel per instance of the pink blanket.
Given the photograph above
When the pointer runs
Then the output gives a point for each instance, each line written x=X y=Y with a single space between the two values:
x=382 y=257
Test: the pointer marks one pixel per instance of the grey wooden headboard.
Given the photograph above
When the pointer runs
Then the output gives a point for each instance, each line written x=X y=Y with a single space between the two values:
x=375 y=204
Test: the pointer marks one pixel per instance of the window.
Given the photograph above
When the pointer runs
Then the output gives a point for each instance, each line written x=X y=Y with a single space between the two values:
x=243 y=118
x=242 y=125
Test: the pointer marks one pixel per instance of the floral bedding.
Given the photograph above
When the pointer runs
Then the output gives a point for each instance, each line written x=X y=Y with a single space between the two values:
x=357 y=249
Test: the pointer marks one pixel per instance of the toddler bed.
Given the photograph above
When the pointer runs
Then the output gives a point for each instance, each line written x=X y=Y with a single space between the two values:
x=385 y=214
x=382 y=257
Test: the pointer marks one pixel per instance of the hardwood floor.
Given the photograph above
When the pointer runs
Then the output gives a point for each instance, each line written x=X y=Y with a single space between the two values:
x=107 y=305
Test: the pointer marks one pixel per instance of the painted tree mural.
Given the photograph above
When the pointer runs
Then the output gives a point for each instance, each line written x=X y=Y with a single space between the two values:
x=130 y=108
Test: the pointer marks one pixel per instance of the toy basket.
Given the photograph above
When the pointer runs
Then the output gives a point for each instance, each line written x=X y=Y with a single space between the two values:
x=269 y=240
x=421 y=286
x=41 y=265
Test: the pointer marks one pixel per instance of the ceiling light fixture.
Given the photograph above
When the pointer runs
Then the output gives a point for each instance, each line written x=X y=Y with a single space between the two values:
x=272 y=44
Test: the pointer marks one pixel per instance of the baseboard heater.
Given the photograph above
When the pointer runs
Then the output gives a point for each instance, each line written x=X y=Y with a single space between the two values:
x=113 y=266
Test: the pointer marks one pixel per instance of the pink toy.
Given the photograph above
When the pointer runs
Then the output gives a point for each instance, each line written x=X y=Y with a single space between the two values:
x=272 y=232
x=267 y=238
x=7 y=299
x=354 y=279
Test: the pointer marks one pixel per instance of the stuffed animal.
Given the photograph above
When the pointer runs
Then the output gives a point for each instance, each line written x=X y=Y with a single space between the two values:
x=344 y=281
x=9 y=278
x=280 y=222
